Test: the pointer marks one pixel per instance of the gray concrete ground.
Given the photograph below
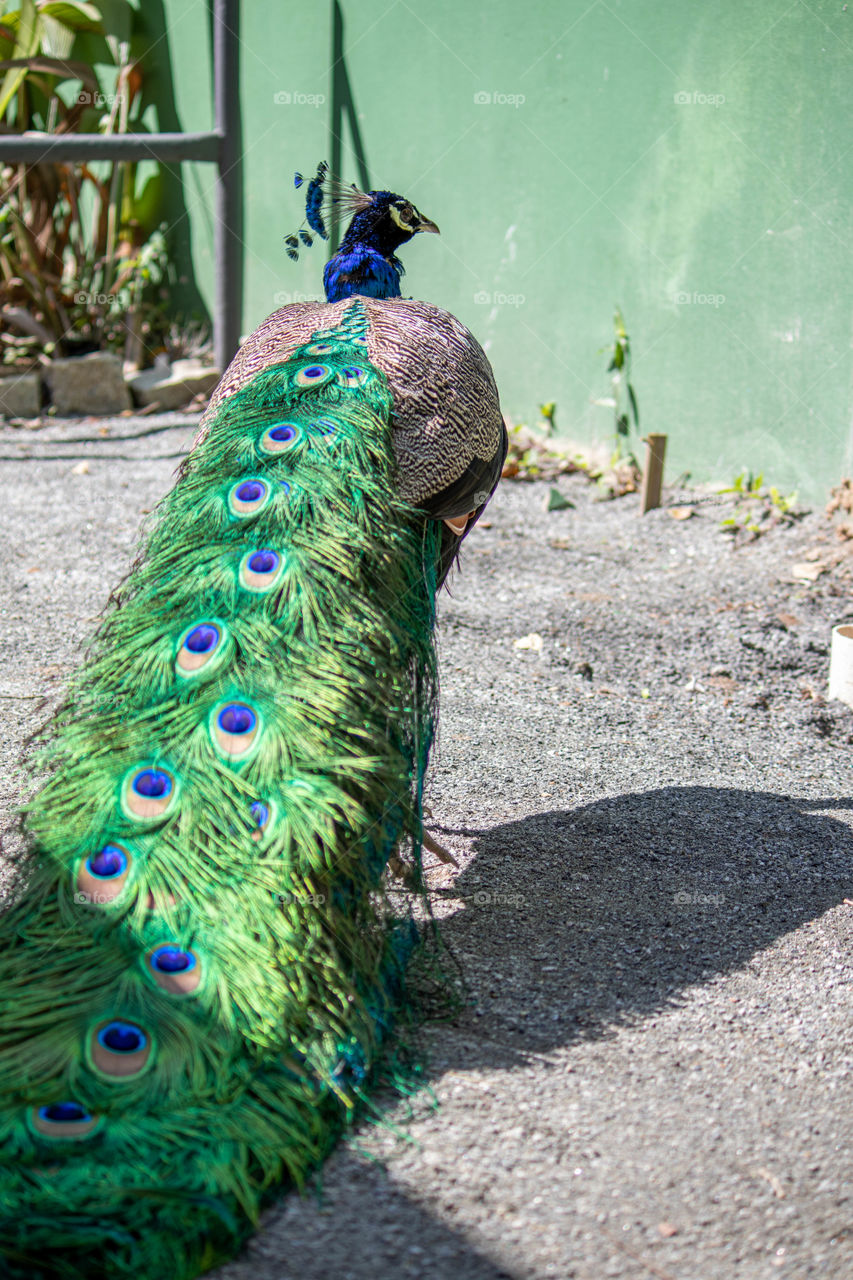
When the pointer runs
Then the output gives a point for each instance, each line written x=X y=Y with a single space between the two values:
x=652 y=814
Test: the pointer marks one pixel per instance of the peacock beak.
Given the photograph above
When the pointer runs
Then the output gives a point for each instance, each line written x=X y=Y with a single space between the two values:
x=424 y=224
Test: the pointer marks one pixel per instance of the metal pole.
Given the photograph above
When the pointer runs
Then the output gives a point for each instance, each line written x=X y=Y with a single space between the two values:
x=228 y=242
x=35 y=148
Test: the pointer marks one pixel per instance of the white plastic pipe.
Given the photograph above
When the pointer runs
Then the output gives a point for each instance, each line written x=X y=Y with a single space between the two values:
x=841 y=665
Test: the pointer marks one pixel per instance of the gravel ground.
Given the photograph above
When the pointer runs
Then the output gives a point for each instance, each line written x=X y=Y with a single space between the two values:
x=652 y=815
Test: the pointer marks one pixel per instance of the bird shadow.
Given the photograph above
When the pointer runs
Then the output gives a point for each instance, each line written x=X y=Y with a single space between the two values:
x=576 y=922
x=570 y=924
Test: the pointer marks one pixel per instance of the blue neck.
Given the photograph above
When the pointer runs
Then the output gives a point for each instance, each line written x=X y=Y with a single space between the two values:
x=361 y=269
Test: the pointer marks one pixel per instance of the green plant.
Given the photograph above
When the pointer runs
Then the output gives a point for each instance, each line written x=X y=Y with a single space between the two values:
x=549 y=411
x=79 y=247
x=623 y=397
x=757 y=509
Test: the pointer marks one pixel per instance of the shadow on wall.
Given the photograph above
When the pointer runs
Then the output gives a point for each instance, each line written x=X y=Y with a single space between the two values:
x=578 y=921
x=343 y=101
x=151 y=46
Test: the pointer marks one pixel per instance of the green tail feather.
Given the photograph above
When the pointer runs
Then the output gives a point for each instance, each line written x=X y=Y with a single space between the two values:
x=196 y=981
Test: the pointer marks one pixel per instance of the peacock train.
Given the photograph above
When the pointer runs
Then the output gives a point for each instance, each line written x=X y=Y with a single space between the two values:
x=200 y=963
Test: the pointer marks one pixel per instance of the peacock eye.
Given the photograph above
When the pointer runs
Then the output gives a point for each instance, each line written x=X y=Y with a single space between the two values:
x=236 y=730
x=63 y=1120
x=118 y=1049
x=260 y=569
x=148 y=794
x=174 y=970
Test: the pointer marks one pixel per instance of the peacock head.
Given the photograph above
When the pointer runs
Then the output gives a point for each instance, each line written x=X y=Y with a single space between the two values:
x=381 y=220
x=385 y=221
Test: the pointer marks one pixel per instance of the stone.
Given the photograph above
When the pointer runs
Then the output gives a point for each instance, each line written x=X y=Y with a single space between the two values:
x=171 y=387
x=91 y=384
x=20 y=396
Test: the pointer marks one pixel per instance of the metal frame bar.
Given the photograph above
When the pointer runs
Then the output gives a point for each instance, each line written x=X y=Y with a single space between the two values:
x=221 y=147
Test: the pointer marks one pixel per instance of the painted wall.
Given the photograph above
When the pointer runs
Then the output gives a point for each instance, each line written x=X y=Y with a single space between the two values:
x=686 y=160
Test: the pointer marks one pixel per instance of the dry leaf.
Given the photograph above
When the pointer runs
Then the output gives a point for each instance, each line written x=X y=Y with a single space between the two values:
x=788 y=620
x=804 y=571
x=82 y=469
x=778 y=1189
x=667 y=1229
x=680 y=513
x=533 y=641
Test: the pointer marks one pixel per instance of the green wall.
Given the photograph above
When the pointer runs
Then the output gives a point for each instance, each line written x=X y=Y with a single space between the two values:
x=688 y=161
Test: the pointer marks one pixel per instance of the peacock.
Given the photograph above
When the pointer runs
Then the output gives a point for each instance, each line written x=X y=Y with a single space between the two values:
x=200 y=963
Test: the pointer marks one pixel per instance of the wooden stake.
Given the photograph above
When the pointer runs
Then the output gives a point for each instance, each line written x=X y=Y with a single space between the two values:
x=652 y=472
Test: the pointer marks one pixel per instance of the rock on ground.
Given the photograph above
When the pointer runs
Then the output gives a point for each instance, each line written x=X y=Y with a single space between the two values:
x=88 y=384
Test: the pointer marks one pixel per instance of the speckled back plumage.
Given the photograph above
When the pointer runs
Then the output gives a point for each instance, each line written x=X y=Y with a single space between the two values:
x=447 y=430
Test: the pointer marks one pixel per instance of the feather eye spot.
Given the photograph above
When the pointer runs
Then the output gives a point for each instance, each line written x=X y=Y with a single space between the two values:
x=102 y=876
x=174 y=970
x=152 y=784
x=263 y=562
x=280 y=437
x=248 y=497
x=260 y=812
x=64 y=1112
x=202 y=639
x=119 y=1049
x=122 y=1037
x=237 y=719
x=172 y=960
x=260 y=570
x=319 y=349
x=313 y=375
x=149 y=794
x=202 y=648
x=324 y=426
x=250 y=491
x=108 y=862
x=68 y=1120
x=236 y=730
x=352 y=375
x=264 y=816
